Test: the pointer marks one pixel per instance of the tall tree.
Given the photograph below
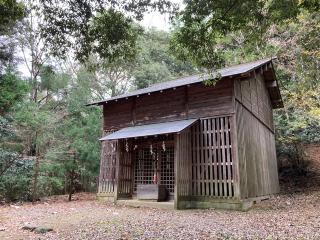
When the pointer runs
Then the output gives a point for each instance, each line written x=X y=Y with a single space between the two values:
x=202 y=25
x=11 y=12
x=32 y=46
x=109 y=79
x=102 y=27
x=12 y=88
x=154 y=61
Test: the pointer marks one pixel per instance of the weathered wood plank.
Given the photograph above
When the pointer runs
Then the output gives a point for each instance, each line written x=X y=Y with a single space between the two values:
x=195 y=101
x=257 y=162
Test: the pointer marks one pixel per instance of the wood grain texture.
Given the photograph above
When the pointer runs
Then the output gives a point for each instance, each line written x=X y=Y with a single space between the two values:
x=174 y=104
x=212 y=159
x=183 y=167
x=107 y=177
x=229 y=154
x=125 y=175
x=257 y=156
x=253 y=94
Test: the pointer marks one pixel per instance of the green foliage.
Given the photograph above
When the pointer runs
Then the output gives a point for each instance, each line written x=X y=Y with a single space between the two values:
x=202 y=25
x=155 y=62
x=7 y=158
x=151 y=73
x=114 y=36
x=298 y=161
x=12 y=90
x=215 y=33
x=52 y=82
x=296 y=45
x=11 y=11
x=299 y=121
x=82 y=128
x=51 y=181
x=98 y=26
x=60 y=135
x=15 y=183
x=30 y=119
x=66 y=146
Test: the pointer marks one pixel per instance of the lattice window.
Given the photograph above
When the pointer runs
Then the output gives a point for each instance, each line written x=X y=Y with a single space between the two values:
x=167 y=168
x=212 y=161
x=108 y=167
x=146 y=165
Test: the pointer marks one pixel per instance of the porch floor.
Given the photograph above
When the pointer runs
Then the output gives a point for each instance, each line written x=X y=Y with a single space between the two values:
x=144 y=203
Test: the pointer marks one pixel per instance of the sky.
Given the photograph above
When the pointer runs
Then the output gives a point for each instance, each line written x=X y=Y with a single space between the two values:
x=158 y=21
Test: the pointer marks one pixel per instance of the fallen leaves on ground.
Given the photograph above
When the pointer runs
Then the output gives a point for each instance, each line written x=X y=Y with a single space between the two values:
x=293 y=215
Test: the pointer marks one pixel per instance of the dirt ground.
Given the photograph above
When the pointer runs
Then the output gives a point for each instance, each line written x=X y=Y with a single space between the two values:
x=293 y=214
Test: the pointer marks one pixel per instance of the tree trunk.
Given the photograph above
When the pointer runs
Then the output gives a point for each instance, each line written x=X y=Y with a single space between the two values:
x=35 y=180
x=71 y=187
x=36 y=171
x=72 y=177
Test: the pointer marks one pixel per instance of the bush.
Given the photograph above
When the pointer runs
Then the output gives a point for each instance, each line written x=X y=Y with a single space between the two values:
x=15 y=183
x=50 y=185
x=292 y=159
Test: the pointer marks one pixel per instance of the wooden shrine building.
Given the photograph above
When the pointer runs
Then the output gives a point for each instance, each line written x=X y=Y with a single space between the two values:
x=199 y=145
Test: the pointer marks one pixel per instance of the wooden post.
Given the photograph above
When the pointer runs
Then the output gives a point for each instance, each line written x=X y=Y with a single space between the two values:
x=176 y=170
x=235 y=161
x=116 y=181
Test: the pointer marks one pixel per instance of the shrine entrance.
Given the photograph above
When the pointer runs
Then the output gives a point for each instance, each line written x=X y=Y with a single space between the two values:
x=154 y=163
x=148 y=163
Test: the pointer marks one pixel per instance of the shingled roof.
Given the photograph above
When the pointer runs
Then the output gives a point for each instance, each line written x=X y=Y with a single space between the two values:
x=232 y=71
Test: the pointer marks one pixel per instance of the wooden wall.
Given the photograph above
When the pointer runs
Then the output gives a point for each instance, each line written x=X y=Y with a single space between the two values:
x=253 y=94
x=255 y=139
x=210 y=101
x=192 y=101
x=183 y=168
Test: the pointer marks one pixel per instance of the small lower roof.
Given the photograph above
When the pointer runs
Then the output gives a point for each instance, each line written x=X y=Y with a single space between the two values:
x=150 y=130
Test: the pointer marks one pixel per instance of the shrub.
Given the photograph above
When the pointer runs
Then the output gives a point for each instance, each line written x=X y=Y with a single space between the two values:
x=15 y=183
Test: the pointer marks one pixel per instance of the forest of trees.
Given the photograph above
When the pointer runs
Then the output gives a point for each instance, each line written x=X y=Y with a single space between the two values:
x=82 y=51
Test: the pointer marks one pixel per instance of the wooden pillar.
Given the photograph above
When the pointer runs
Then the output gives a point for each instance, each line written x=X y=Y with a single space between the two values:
x=176 y=171
x=102 y=169
x=236 y=164
x=116 y=183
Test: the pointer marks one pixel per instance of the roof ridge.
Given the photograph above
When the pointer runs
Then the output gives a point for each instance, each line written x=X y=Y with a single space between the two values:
x=190 y=79
x=194 y=75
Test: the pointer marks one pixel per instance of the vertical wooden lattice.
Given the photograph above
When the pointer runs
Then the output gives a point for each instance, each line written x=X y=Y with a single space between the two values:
x=212 y=160
x=125 y=169
x=107 y=177
x=167 y=168
x=147 y=165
